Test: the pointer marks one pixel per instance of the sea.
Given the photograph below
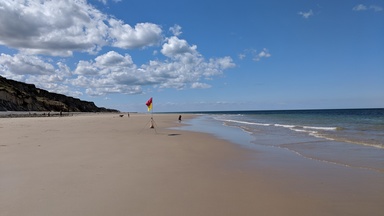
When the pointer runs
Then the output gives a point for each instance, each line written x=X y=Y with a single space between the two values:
x=346 y=137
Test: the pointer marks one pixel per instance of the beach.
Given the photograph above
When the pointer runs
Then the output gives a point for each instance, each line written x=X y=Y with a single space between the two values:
x=104 y=164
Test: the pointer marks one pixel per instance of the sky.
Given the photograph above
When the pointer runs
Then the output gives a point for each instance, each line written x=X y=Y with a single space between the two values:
x=199 y=55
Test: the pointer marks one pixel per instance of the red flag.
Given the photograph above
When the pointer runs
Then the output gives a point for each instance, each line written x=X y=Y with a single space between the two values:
x=149 y=104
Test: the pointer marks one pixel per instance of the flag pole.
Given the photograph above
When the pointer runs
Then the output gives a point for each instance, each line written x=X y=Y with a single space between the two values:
x=152 y=120
x=150 y=109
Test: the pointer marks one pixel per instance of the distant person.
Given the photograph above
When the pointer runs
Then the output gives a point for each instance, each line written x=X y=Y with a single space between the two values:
x=179 y=118
x=128 y=115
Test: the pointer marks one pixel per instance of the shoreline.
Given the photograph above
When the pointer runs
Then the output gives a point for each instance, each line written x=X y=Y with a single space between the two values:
x=306 y=147
x=42 y=114
x=108 y=165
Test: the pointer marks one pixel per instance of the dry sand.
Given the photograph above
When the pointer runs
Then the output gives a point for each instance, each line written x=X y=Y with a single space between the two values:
x=109 y=165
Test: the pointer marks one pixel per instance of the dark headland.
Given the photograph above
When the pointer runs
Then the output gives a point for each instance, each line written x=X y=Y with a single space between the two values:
x=19 y=96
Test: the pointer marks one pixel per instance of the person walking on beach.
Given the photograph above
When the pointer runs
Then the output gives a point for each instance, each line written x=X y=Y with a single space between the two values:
x=179 y=118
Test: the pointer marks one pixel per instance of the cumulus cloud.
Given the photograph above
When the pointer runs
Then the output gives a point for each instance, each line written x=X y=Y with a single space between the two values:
x=113 y=58
x=113 y=72
x=25 y=64
x=142 y=35
x=306 y=15
x=37 y=70
x=54 y=83
x=108 y=73
x=263 y=54
x=176 y=47
x=176 y=30
x=52 y=27
x=59 y=28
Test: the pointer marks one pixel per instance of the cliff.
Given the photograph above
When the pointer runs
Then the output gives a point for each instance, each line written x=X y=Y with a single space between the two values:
x=18 y=96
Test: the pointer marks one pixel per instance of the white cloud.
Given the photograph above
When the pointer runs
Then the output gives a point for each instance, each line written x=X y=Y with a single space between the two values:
x=106 y=1
x=25 y=64
x=306 y=15
x=176 y=30
x=362 y=7
x=198 y=85
x=113 y=58
x=52 y=27
x=263 y=54
x=51 y=83
x=256 y=56
x=108 y=73
x=242 y=56
x=86 y=68
x=58 y=28
x=114 y=89
x=113 y=72
x=37 y=70
x=176 y=47
x=143 y=35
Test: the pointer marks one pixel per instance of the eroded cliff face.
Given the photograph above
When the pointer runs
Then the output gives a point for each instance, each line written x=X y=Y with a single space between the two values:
x=18 y=96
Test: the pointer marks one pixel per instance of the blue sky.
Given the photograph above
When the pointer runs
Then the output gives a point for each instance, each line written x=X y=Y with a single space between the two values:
x=199 y=55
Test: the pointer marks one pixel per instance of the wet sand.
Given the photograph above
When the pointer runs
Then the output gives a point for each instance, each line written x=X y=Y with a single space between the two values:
x=110 y=165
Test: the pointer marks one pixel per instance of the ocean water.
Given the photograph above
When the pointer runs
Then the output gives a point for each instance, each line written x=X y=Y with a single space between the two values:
x=347 y=137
